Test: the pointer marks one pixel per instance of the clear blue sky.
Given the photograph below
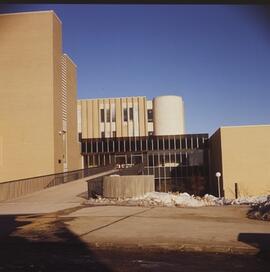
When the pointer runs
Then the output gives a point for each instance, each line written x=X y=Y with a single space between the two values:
x=216 y=57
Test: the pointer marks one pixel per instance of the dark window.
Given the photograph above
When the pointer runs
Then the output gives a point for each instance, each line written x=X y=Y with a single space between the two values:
x=100 y=146
x=88 y=147
x=149 y=144
x=189 y=143
x=83 y=147
x=172 y=144
x=108 y=115
x=160 y=142
x=150 y=115
x=132 y=145
x=131 y=114
x=150 y=133
x=113 y=114
x=106 y=146
x=94 y=147
x=125 y=114
x=122 y=146
x=127 y=143
x=102 y=115
x=183 y=143
x=114 y=133
x=102 y=134
x=150 y=160
x=155 y=143
x=144 y=144
x=111 y=146
x=167 y=158
x=156 y=160
x=177 y=141
x=166 y=142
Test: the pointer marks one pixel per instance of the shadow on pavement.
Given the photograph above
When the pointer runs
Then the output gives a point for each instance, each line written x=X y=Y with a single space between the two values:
x=258 y=240
x=44 y=243
x=65 y=252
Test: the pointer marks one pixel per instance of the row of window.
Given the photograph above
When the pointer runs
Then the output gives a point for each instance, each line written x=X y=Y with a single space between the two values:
x=110 y=115
x=151 y=143
x=158 y=170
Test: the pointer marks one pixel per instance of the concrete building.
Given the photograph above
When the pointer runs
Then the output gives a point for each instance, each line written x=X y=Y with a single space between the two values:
x=135 y=130
x=130 y=117
x=38 y=89
x=242 y=155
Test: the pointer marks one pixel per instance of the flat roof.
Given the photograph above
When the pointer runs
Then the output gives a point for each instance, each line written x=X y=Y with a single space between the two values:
x=29 y=12
x=102 y=98
x=259 y=125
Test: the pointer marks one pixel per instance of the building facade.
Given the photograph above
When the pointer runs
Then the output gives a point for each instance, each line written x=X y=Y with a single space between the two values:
x=178 y=162
x=38 y=117
x=134 y=130
x=242 y=155
x=113 y=117
x=130 y=117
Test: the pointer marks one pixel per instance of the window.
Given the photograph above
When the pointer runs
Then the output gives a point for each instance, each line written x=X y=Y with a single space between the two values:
x=131 y=114
x=125 y=114
x=150 y=115
x=114 y=134
x=102 y=115
x=108 y=115
x=113 y=112
x=102 y=134
x=150 y=133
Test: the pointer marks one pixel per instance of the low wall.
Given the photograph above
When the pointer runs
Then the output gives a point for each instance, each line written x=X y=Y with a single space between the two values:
x=127 y=186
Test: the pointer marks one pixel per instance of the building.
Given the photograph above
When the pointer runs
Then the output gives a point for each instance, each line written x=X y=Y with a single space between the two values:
x=242 y=155
x=178 y=162
x=38 y=89
x=132 y=130
x=114 y=117
x=130 y=117
x=45 y=130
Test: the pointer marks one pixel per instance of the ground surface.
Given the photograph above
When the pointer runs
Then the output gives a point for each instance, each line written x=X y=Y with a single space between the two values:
x=53 y=231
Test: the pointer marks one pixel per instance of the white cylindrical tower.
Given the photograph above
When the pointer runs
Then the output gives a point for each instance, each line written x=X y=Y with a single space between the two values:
x=168 y=113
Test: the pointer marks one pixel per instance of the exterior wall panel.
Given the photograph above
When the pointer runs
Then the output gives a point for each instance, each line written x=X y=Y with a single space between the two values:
x=26 y=90
x=90 y=117
x=246 y=160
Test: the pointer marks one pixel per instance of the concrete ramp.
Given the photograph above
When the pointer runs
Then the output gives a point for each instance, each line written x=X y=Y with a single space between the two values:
x=53 y=199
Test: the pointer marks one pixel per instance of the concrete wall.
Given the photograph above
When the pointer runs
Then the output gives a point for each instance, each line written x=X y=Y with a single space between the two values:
x=90 y=124
x=127 y=186
x=245 y=158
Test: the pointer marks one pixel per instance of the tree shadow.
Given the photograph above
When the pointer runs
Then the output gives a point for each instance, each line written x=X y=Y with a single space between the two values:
x=65 y=252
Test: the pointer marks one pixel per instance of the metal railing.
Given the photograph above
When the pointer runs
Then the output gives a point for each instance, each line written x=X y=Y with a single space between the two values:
x=17 y=188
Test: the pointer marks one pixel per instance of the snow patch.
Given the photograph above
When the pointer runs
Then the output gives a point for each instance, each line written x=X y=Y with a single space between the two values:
x=177 y=200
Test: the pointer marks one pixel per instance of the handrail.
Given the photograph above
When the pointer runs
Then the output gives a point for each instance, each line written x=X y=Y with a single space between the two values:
x=16 y=188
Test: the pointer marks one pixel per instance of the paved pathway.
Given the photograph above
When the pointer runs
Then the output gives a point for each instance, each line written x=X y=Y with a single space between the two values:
x=50 y=200
x=219 y=229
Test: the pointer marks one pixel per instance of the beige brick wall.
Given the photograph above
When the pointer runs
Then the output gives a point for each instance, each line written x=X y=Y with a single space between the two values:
x=26 y=95
x=30 y=96
x=245 y=158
